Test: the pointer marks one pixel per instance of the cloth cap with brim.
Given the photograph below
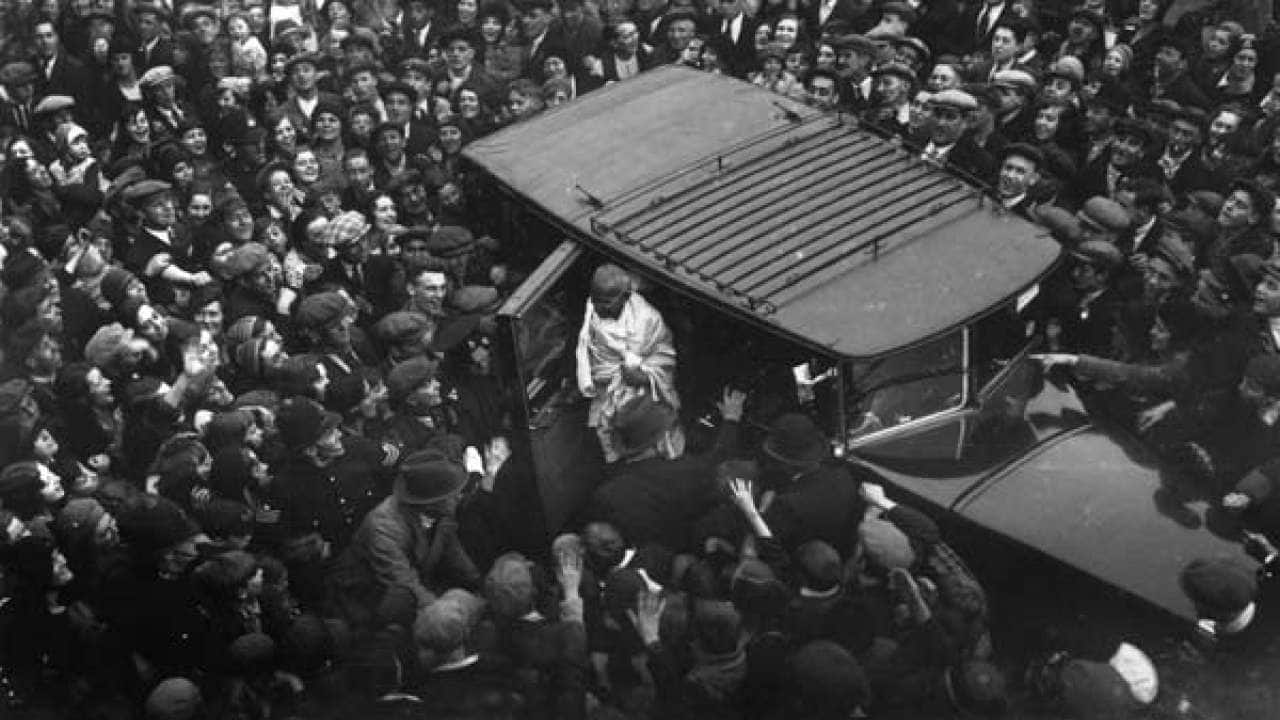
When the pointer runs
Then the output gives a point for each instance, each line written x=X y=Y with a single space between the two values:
x=1129 y=127
x=444 y=625
x=402 y=88
x=640 y=423
x=345 y=229
x=427 y=477
x=17 y=73
x=819 y=565
x=363 y=37
x=78 y=519
x=1068 y=67
x=247 y=259
x=1025 y=150
x=885 y=545
x=108 y=342
x=1264 y=371
x=854 y=42
x=1195 y=227
x=450 y=241
x=157 y=75
x=920 y=46
x=141 y=192
x=452 y=332
x=299 y=59
x=150 y=7
x=402 y=326
x=187 y=16
x=1104 y=214
x=1220 y=588
x=1100 y=254
x=1094 y=690
x=897 y=69
x=795 y=440
x=408 y=376
x=1017 y=79
x=53 y=103
x=828 y=678
x=319 y=310
x=302 y=422
x=1177 y=252
x=952 y=98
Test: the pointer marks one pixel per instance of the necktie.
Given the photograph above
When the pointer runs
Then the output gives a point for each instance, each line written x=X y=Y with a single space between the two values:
x=22 y=117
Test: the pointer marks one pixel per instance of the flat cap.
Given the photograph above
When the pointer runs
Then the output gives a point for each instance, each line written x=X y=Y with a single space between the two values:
x=855 y=42
x=1104 y=214
x=17 y=73
x=321 y=309
x=1133 y=128
x=402 y=326
x=1017 y=79
x=304 y=57
x=1026 y=150
x=54 y=103
x=1061 y=223
x=1099 y=253
x=921 y=47
x=957 y=99
x=157 y=75
x=408 y=376
x=150 y=7
x=248 y=258
x=187 y=16
x=1220 y=588
x=144 y=189
x=1069 y=67
x=898 y=69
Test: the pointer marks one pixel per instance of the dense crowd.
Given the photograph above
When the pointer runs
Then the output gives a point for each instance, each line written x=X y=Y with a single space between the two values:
x=255 y=447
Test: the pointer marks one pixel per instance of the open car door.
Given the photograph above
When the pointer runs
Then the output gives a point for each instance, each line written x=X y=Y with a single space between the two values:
x=538 y=334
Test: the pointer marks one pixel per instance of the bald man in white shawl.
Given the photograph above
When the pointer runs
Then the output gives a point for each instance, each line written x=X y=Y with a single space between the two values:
x=625 y=350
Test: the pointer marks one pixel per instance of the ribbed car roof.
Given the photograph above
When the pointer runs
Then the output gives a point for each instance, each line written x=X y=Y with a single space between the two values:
x=795 y=218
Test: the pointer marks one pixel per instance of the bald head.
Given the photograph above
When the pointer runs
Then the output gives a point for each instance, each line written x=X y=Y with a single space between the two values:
x=610 y=288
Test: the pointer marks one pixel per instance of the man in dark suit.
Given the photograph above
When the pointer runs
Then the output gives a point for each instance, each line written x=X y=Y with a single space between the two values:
x=1180 y=162
x=1126 y=157
x=535 y=20
x=155 y=49
x=627 y=57
x=950 y=144
x=974 y=27
x=1020 y=165
x=820 y=15
x=17 y=113
x=736 y=36
x=57 y=71
x=420 y=28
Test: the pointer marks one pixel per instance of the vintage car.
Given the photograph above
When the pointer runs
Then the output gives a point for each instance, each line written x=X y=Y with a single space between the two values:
x=803 y=257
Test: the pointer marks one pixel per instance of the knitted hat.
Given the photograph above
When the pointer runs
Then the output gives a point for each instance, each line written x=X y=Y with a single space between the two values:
x=886 y=546
x=425 y=477
x=828 y=678
x=174 y=699
x=509 y=587
x=1220 y=588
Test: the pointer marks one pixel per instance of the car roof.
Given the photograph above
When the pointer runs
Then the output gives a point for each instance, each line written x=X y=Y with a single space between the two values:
x=1088 y=501
x=794 y=218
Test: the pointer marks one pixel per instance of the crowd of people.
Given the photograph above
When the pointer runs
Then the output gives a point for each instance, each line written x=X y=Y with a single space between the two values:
x=255 y=448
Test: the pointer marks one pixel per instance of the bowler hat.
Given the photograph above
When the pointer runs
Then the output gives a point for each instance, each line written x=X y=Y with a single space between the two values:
x=426 y=477
x=794 y=439
x=640 y=423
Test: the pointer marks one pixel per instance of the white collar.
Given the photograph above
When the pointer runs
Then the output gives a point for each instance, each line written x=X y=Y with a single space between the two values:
x=1241 y=621
x=808 y=592
x=467 y=661
x=1011 y=202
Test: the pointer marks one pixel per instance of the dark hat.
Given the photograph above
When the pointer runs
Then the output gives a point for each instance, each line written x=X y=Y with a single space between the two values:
x=794 y=439
x=363 y=37
x=1264 y=201
x=187 y=16
x=302 y=422
x=143 y=190
x=1094 y=690
x=454 y=33
x=453 y=331
x=426 y=477
x=1127 y=126
x=409 y=376
x=249 y=258
x=154 y=525
x=828 y=678
x=402 y=326
x=641 y=422
x=222 y=575
x=22 y=268
x=1264 y=371
x=920 y=46
x=976 y=687
x=444 y=625
x=252 y=654
x=450 y=241
x=150 y=7
x=1220 y=588
x=1026 y=150
x=309 y=58
x=319 y=310
x=1017 y=79
x=50 y=104
x=174 y=699
x=78 y=518
x=819 y=564
x=415 y=64
x=18 y=479
x=403 y=88
x=855 y=42
x=1176 y=40
x=17 y=73
x=958 y=99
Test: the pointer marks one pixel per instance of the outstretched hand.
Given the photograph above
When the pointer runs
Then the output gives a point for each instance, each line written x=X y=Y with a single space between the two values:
x=731 y=404
x=647 y=616
x=743 y=496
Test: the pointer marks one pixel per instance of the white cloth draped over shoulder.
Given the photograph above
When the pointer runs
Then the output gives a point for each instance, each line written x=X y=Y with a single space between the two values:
x=638 y=337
